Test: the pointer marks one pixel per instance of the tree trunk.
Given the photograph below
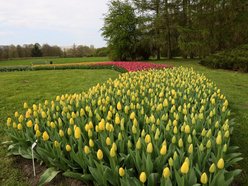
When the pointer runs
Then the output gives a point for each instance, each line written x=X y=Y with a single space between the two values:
x=168 y=30
x=157 y=29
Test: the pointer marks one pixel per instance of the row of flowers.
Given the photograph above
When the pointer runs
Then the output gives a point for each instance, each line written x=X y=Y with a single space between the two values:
x=168 y=127
x=135 y=66
x=126 y=66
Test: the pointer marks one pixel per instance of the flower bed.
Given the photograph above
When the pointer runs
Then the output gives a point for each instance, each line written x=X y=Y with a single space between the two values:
x=118 y=66
x=167 y=127
x=135 y=66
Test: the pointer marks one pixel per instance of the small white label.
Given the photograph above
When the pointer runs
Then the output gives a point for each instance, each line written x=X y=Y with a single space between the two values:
x=32 y=150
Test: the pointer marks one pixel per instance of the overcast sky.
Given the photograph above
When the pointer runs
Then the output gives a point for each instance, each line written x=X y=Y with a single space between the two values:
x=60 y=22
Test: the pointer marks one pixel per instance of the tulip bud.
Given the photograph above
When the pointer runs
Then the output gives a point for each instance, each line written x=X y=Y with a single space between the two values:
x=45 y=136
x=212 y=168
x=119 y=106
x=219 y=139
x=187 y=129
x=77 y=133
x=166 y=172
x=163 y=150
x=185 y=168
x=99 y=154
x=91 y=143
x=148 y=138
x=204 y=178
x=108 y=141
x=121 y=172
x=138 y=144
x=180 y=143
x=190 y=149
x=86 y=149
x=149 y=148
x=171 y=162
x=68 y=148
x=142 y=177
x=220 y=164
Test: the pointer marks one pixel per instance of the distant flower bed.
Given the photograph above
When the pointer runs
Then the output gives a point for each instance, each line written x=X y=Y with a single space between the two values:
x=118 y=66
x=155 y=127
x=135 y=66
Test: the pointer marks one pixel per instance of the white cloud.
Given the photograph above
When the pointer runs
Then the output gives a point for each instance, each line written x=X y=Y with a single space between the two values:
x=78 y=19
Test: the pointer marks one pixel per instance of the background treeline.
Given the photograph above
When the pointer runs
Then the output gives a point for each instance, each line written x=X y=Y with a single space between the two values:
x=37 y=50
x=138 y=29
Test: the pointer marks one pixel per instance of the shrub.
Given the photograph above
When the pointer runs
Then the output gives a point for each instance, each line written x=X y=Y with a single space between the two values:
x=235 y=59
x=168 y=127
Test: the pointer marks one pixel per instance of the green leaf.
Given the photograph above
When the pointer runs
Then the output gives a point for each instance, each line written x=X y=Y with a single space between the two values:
x=153 y=179
x=48 y=175
x=83 y=177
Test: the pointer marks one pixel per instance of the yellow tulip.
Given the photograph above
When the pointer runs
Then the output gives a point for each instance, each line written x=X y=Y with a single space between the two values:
x=212 y=168
x=117 y=120
x=86 y=149
x=219 y=139
x=77 y=133
x=69 y=131
x=37 y=133
x=16 y=114
x=204 y=178
x=112 y=152
x=101 y=125
x=45 y=136
x=138 y=144
x=121 y=172
x=180 y=143
x=142 y=177
x=91 y=143
x=68 y=148
x=108 y=141
x=99 y=154
x=132 y=115
x=163 y=150
x=148 y=138
x=166 y=172
x=149 y=148
x=190 y=149
x=185 y=167
x=220 y=163
x=61 y=133
x=171 y=162
x=119 y=106
x=187 y=129
x=25 y=105
x=19 y=126
x=56 y=144
x=29 y=124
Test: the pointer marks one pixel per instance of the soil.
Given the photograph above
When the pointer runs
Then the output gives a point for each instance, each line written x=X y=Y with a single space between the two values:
x=26 y=168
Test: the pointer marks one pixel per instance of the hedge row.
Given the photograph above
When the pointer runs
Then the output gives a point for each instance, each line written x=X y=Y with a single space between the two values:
x=235 y=59
x=52 y=67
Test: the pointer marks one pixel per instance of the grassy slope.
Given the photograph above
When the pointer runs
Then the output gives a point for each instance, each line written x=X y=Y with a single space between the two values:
x=34 y=87
x=55 y=60
x=235 y=86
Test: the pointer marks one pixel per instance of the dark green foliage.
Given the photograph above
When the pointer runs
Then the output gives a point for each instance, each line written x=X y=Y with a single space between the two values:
x=36 y=50
x=120 y=31
x=235 y=59
x=102 y=52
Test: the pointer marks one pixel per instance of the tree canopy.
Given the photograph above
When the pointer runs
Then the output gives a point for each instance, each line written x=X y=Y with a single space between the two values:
x=170 y=28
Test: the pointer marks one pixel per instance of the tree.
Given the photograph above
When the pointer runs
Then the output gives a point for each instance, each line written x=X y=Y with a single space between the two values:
x=120 y=30
x=36 y=51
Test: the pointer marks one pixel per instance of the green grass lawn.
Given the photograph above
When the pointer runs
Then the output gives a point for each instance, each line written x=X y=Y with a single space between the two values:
x=14 y=62
x=36 y=86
